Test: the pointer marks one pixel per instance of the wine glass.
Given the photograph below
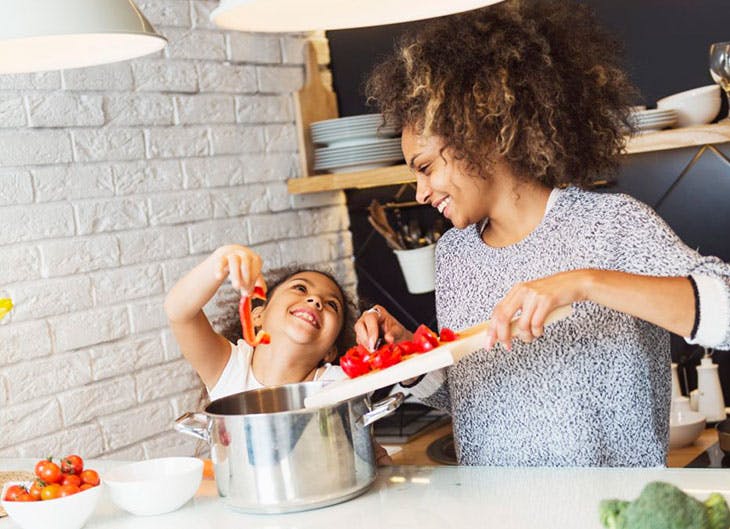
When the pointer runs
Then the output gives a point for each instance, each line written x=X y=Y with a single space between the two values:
x=720 y=66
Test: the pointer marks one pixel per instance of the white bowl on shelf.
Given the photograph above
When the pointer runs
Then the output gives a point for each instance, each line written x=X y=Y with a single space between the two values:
x=685 y=427
x=694 y=107
x=69 y=512
x=154 y=486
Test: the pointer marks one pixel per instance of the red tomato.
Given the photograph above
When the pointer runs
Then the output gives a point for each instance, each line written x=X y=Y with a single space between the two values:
x=51 y=492
x=68 y=490
x=86 y=486
x=35 y=489
x=71 y=479
x=48 y=471
x=24 y=496
x=13 y=492
x=447 y=335
x=72 y=464
x=90 y=476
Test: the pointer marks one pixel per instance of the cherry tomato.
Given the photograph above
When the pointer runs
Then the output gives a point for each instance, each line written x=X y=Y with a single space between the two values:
x=90 y=476
x=35 y=489
x=72 y=464
x=86 y=486
x=13 y=492
x=425 y=338
x=408 y=348
x=51 y=492
x=24 y=496
x=68 y=490
x=48 y=471
x=71 y=479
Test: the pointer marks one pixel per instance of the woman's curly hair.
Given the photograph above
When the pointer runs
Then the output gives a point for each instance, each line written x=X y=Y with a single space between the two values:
x=229 y=325
x=535 y=83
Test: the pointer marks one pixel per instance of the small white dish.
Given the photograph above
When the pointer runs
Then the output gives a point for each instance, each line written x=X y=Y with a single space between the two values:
x=684 y=427
x=694 y=107
x=70 y=512
x=154 y=486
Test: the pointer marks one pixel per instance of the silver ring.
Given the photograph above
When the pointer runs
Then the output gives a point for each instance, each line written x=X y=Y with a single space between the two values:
x=375 y=310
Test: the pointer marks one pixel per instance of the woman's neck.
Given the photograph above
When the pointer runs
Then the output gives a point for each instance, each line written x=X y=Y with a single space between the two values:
x=517 y=210
x=272 y=367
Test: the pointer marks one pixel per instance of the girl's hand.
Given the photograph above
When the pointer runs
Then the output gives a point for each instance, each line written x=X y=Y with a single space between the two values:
x=376 y=322
x=531 y=302
x=242 y=265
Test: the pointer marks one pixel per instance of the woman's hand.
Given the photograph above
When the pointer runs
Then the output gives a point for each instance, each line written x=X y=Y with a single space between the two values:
x=242 y=265
x=376 y=322
x=531 y=302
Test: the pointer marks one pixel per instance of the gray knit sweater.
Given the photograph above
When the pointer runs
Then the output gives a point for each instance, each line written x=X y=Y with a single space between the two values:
x=595 y=389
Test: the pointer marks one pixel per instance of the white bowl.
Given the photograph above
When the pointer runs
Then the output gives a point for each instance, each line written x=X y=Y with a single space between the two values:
x=694 y=107
x=685 y=427
x=69 y=512
x=154 y=486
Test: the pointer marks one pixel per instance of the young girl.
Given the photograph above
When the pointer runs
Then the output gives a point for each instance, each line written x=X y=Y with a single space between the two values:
x=304 y=315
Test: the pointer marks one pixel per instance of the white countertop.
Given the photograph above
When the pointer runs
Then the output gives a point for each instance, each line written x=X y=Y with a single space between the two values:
x=430 y=497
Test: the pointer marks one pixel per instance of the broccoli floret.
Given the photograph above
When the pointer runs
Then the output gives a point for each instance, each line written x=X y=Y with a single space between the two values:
x=611 y=512
x=664 y=506
x=717 y=511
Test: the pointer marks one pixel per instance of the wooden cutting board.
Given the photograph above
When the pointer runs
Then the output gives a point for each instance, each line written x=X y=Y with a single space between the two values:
x=314 y=102
x=470 y=340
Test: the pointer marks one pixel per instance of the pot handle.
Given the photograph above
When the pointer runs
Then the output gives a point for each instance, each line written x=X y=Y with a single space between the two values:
x=195 y=424
x=381 y=409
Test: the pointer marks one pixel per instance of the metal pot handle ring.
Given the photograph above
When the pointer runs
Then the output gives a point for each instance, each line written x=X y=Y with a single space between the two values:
x=381 y=409
x=195 y=424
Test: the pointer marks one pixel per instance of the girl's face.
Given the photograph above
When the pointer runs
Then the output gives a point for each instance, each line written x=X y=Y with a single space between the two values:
x=309 y=310
x=442 y=181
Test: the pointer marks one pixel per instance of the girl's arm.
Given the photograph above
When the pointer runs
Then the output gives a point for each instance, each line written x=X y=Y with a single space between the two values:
x=207 y=351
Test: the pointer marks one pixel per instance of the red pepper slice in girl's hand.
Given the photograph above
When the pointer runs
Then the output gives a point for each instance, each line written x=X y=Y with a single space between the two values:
x=244 y=311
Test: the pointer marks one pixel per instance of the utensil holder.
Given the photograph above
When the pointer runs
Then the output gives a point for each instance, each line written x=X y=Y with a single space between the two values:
x=418 y=266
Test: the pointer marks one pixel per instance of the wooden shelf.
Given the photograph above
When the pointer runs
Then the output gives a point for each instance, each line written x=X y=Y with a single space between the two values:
x=399 y=174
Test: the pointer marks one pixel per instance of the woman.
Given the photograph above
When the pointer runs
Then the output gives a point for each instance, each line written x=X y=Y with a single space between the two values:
x=508 y=113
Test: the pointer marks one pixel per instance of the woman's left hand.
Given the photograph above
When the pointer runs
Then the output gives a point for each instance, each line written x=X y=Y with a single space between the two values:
x=532 y=301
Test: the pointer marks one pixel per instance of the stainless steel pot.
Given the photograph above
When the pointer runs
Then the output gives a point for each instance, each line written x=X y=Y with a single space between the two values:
x=273 y=455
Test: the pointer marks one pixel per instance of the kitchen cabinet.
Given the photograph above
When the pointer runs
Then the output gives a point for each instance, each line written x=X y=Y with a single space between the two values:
x=431 y=497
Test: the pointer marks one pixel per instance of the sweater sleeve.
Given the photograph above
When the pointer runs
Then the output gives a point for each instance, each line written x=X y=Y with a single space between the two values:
x=645 y=244
x=433 y=390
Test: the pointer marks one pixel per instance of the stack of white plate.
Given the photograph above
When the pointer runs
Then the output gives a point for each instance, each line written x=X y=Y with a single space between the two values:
x=355 y=143
x=647 y=120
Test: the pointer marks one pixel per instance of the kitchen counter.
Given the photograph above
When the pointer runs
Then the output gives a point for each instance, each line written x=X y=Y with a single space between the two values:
x=430 y=497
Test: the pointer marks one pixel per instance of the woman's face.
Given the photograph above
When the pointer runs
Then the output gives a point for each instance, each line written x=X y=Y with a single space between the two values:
x=442 y=181
x=308 y=308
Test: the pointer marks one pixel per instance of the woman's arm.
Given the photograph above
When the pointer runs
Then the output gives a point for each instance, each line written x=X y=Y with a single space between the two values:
x=206 y=350
x=668 y=302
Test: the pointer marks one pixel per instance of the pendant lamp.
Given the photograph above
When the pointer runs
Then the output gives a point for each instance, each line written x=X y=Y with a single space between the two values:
x=306 y=15
x=39 y=35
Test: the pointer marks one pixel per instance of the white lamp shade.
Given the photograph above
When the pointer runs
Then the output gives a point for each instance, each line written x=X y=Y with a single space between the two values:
x=306 y=15
x=39 y=35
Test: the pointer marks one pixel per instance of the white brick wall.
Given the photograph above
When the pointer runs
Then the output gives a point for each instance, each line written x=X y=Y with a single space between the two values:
x=116 y=180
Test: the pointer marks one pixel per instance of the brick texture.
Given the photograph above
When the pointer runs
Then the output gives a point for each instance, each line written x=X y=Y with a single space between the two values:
x=114 y=181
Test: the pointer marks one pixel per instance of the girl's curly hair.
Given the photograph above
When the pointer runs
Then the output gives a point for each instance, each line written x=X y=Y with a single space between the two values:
x=536 y=82
x=229 y=326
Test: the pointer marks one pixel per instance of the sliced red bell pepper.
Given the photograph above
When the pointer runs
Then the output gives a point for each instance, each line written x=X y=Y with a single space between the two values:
x=425 y=339
x=388 y=355
x=244 y=311
x=447 y=335
x=356 y=361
